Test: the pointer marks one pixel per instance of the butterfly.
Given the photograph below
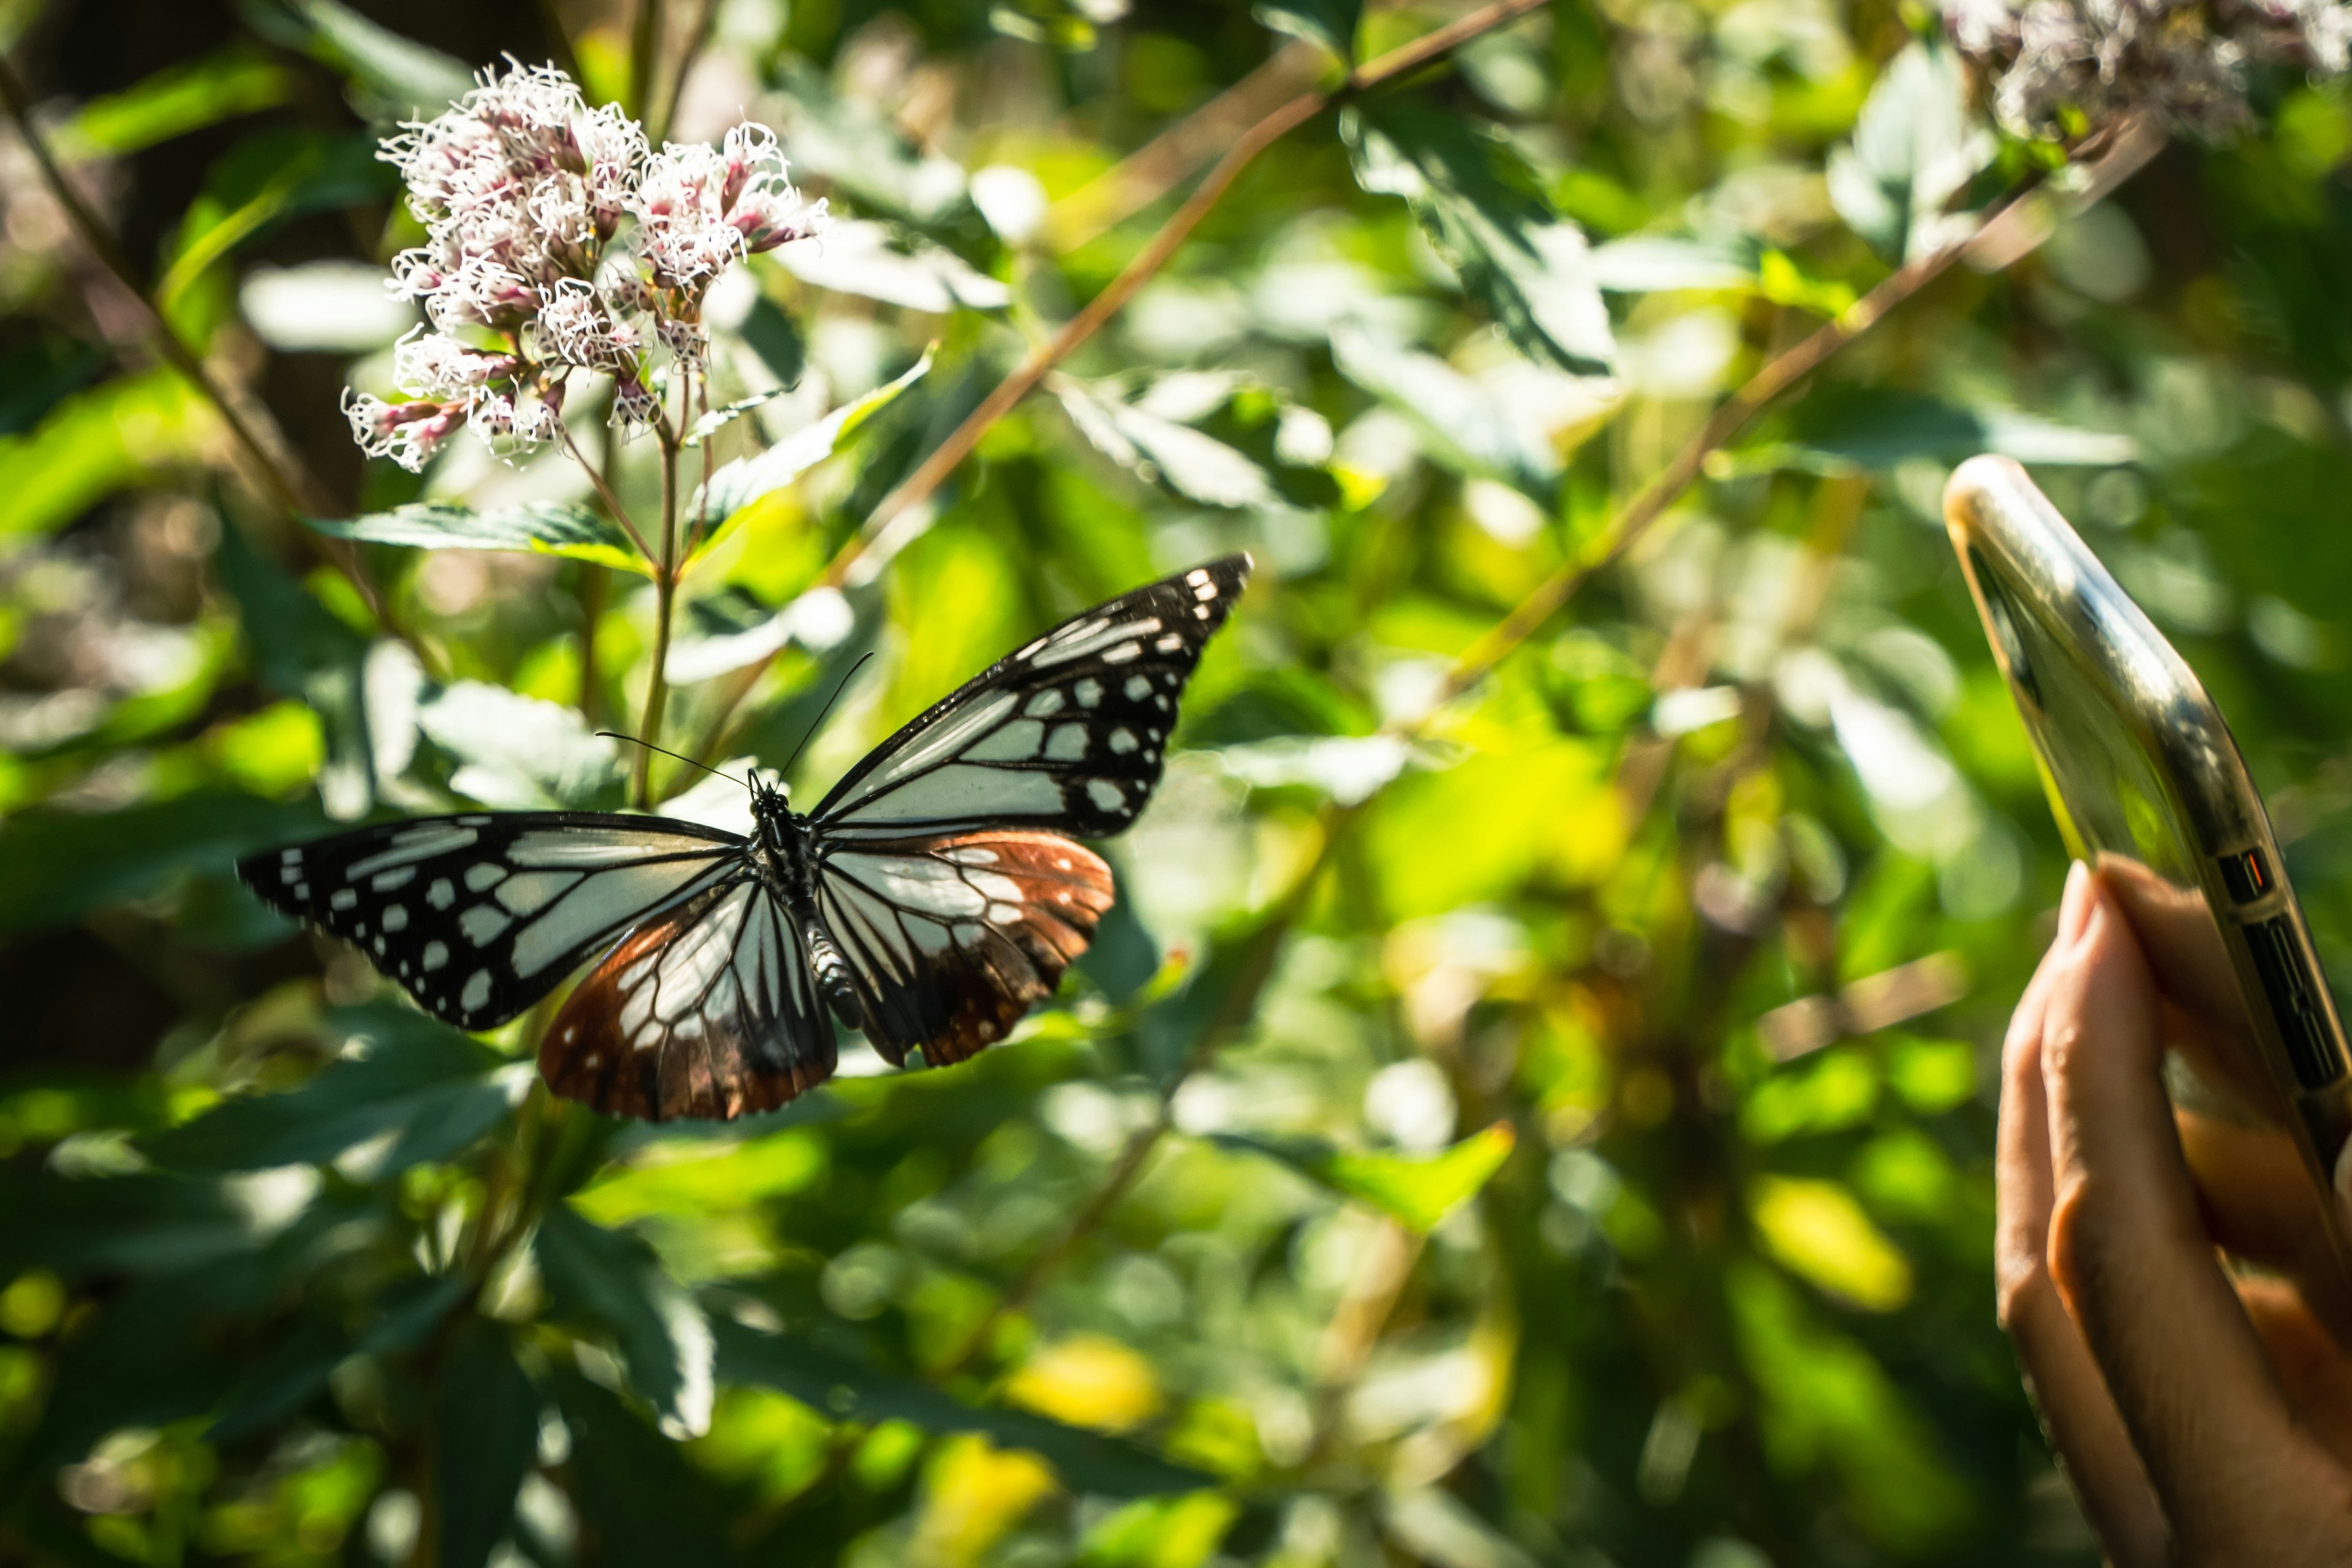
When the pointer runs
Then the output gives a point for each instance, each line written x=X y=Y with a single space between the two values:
x=933 y=896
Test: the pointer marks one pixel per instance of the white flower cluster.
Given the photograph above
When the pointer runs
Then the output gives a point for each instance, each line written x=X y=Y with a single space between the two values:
x=2068 y=67
x=522 y=189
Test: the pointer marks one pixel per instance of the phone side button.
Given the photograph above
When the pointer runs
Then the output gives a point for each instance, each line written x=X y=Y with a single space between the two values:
x=2247 y=875
x=2294 y=1001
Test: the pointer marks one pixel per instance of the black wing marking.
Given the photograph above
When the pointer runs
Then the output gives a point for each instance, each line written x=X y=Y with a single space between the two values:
x=1068 y=734
x=479 y=916
x=708 y=1010
x=949 y=941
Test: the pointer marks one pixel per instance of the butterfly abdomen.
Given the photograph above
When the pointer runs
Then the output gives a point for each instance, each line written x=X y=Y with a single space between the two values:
x=833 y=977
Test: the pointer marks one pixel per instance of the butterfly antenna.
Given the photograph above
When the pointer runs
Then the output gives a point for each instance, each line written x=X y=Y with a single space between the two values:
x=665 y=750
x=819 y=721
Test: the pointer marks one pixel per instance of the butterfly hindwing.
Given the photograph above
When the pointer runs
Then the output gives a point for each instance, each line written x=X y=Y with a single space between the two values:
x=950 y=941
x=1068 y=734
x=479 y=916
x=708 y=1010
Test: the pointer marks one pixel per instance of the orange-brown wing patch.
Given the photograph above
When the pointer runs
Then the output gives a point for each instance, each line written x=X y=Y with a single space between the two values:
x=953 y=977
x=670 y=1025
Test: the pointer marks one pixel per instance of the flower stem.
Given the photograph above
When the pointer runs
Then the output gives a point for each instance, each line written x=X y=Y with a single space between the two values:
x=665 y=605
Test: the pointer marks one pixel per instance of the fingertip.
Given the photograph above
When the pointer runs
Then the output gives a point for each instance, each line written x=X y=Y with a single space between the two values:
x=2074 y=907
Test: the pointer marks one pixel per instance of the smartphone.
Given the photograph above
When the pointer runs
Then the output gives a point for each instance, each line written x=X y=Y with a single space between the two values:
x=2148 y=785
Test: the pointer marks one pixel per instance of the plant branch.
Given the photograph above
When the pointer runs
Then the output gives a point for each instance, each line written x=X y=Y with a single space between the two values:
x=279 y=471
x=933 y=471
x=645 y=52
x=604 y=489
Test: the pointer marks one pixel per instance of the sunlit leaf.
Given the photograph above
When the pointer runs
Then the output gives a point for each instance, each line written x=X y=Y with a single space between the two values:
x=859 y=150
x=1330 y=23
x=1649 y=264
x=1488 y=217
x=1915 y=147
x=869 y=259
x=847 y=1389
x=127 y=432
x=407 y=1089
x=1467 y=427
x=551 y=528
x=1161 y=449
x=392 y=77
x=1418 y=1190
x=738 y=484
x=1821 y=1233
x=173 y=102
x=517 y=751
x=611 y=1282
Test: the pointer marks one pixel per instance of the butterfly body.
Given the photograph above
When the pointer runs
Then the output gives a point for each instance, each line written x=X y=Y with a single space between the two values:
x=929 y=900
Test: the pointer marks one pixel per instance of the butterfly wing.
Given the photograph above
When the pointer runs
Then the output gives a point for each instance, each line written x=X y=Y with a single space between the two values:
x=1066 y=735
x=944 y=874
x=708 y=1010
x=949 y=939
x=479 y=916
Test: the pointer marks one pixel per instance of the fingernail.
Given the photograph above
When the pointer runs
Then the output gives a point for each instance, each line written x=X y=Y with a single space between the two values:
x=2074 y=909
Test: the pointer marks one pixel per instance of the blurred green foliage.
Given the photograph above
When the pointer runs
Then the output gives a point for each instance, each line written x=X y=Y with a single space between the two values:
x=1560 y=1131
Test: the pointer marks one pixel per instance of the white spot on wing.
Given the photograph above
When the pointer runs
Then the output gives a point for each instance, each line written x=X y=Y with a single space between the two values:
x=343 y=898
x=1137 y=687
x=605 y=901
x=1016 y=743
x=961 y=789
x=413 y=844
x=476 y=993
x=441 y=895
x=393 y=881
x=437 y=953
x=533 y=891
x=1123 y=653
x=1170 y=642
x=1197 y=575
x=1122 y=741
x=482 y=924
x=489 y=874
x=1068 y=742
x=1106 y=795
x=1089 y=692
x=1046 y=704
x=396 y=918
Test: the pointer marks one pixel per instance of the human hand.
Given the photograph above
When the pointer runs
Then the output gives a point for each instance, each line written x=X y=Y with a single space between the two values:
x=2204 y=1418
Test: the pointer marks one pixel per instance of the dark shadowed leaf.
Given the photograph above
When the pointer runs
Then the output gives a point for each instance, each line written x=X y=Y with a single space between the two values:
x=847 y=1389
x=776 y=338
x=144 y=1361
x=411 y=1090
x=486 y=1436
x=304 y=1357
x=300 y=649
x=1418 y=1191
x=1489 y=219
x=640 y=1499
x=58 y=866
x=546 y=528
x=610 y=1281
x=392 y=77
x=1330 y=23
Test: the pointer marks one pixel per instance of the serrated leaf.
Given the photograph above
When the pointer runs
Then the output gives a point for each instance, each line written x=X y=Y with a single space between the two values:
x=1192 y=464
x=545 y=528
x=847 y=1389
x=872 y=260
x=486 y=1440
x=409 y=1090
x=718 y=419
x=612 y=1282
x=1416 y=1190
x=1487 y=216
x=1332 y=24
x=738 y=484
x=519 y=753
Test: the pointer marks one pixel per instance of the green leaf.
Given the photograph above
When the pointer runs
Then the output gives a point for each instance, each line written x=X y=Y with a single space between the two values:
x=1330 y=23
x=130 y=431
x=520 y=752
x=640 y=1499
x=1656 y=264
x=301 y=649
x=1468 y=426
x=392 y=77
x=719 y=418
x=611 y=1281
x=173 y=102
x=486 y=1440
x=847 y=1389
x=544 y=528
x=873 y=261
x=35 y=377
x=406 y=1091
x=738 y=484
x=860 y=151
x=300 y=1365
x=1192 y=464
x=58 y=866
x=1915 y=147
x=1416 y=1190
x=1841 y=429
x=1487 y=217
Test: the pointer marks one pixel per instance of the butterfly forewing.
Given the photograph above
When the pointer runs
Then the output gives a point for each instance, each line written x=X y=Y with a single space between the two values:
x=479 y=916
x=951 y=939
x=1068 y=735
x=708 y=1011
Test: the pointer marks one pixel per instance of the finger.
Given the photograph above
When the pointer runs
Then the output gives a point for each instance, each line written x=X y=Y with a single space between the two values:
x=2261 y=1205
x=2312 y=1367
x=2079 y=1419
x=2127 y=1251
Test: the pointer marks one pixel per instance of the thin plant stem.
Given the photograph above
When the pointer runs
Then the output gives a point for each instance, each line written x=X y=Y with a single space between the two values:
x=279 y=471
x=605 y=489
x=665 y=605
x=593 y=582
x=645 y=52
x=920 y=486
